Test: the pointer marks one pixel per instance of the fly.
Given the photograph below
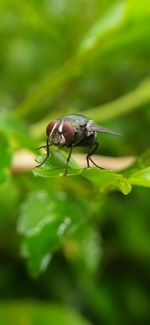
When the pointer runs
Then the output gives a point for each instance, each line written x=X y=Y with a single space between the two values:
x=74 y=131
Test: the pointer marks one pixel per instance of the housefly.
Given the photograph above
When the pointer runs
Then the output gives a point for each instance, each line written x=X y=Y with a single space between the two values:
x=73 y=131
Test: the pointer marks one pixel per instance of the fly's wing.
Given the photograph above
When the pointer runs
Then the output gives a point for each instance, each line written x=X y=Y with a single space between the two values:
x=99 y=128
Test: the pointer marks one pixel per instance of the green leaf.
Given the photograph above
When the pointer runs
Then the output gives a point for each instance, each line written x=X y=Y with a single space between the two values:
x=90 y=251
x=141 y=177
x=103 y=179
x=46 y=219
x=55 y=165
x=139 y=173
x=107 y=180
x=39 y=314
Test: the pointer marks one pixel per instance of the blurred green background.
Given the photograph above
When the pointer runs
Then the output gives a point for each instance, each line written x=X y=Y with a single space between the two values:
x=74 y=250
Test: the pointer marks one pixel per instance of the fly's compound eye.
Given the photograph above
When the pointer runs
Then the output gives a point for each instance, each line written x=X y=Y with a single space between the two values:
x=50 y=127
x=68 y=132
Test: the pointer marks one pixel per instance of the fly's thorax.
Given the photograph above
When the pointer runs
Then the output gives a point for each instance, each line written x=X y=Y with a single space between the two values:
x=88 y=140
x=60 y=133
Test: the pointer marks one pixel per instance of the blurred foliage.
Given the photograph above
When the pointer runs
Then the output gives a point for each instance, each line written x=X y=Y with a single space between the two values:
x=74 y=249
x=39 y=314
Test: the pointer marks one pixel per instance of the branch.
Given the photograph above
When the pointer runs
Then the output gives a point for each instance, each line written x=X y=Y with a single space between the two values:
x=24 y=161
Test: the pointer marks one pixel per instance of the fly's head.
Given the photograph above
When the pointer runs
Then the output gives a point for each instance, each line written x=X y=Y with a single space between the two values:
x=60 y=133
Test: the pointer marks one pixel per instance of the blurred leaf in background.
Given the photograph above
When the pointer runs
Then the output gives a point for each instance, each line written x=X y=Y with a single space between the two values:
x=39 y=314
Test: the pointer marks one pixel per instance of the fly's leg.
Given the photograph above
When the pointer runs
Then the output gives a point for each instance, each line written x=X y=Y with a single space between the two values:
x=47 y=150
x=92 y=149
x=66 y=169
